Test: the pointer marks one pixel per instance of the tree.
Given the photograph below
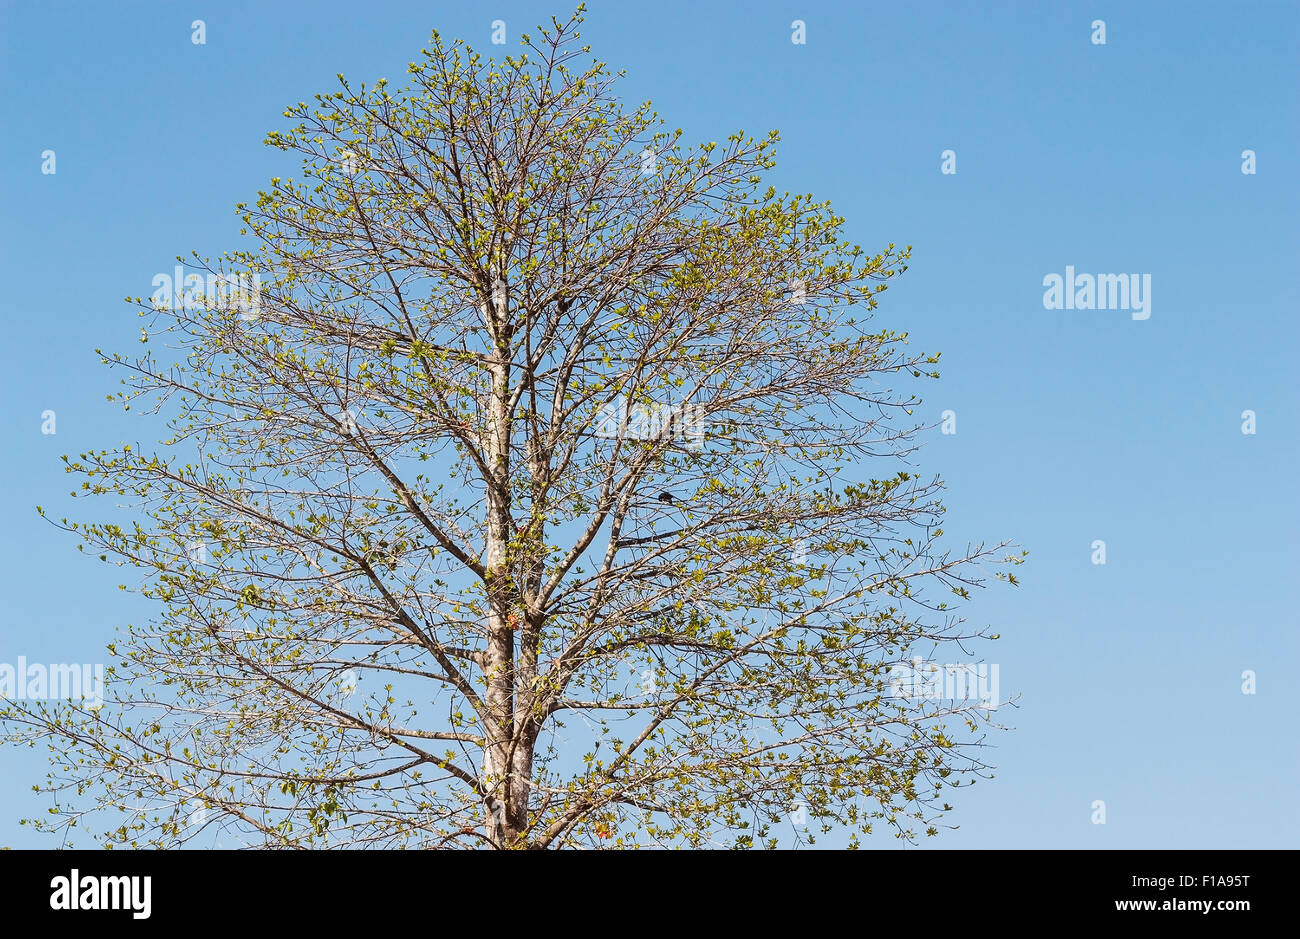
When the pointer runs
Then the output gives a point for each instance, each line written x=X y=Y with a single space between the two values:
x=521 y=504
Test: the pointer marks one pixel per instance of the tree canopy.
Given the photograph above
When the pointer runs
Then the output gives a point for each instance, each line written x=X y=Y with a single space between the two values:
x=553 y=488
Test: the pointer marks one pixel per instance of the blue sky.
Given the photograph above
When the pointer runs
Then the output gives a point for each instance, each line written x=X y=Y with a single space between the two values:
x=1072 y=425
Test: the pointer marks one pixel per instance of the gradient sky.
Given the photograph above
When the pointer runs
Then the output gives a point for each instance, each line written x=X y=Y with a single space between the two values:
x=1072 y=425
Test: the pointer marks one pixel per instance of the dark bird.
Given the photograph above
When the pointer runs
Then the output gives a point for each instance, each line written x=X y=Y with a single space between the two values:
x=666 y=497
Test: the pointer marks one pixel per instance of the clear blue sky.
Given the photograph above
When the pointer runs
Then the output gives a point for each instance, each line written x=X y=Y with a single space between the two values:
x=1072 y=425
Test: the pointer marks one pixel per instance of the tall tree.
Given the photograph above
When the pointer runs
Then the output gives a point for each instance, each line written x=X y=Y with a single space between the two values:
x=526 y=502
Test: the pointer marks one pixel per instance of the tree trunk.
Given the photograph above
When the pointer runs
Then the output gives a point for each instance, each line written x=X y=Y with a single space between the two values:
x=507 y=772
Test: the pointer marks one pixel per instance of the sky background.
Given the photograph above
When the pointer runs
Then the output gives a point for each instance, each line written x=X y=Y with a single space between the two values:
x=1072 y=425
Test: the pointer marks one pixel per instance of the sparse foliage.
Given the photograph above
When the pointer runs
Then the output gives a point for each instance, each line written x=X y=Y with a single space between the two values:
x=546 y=501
